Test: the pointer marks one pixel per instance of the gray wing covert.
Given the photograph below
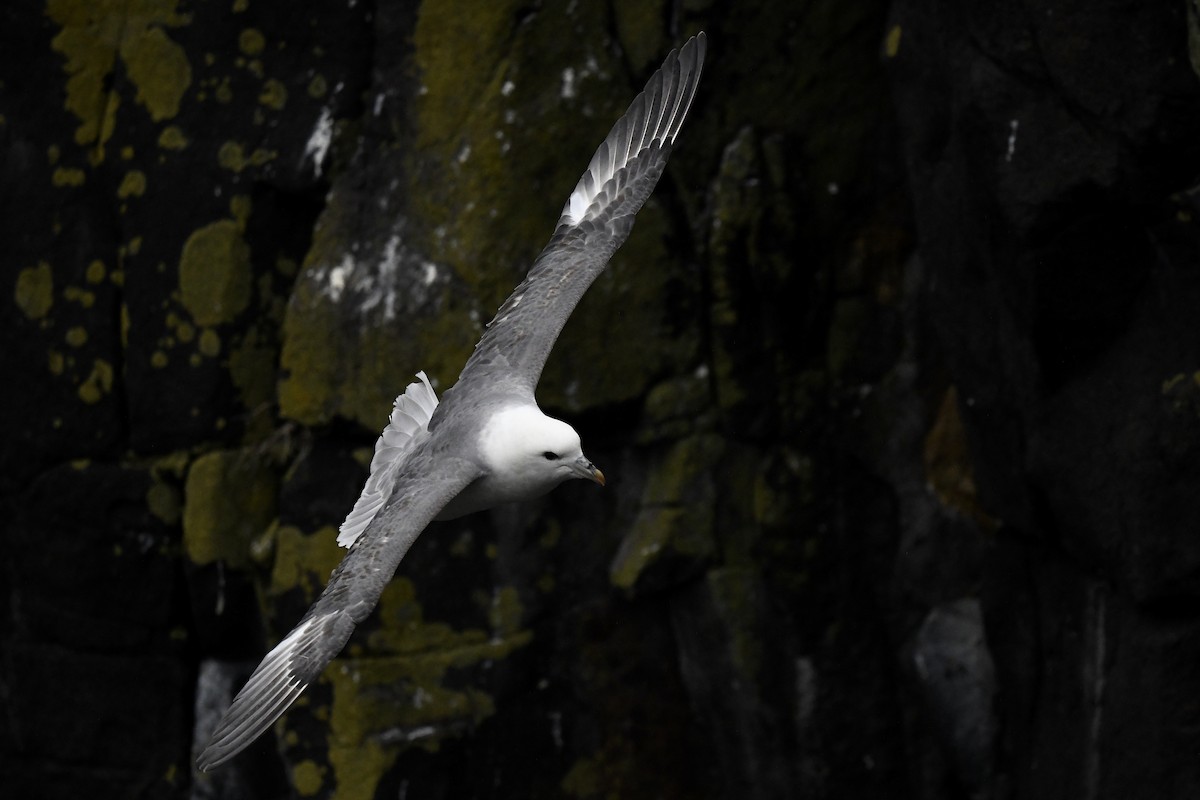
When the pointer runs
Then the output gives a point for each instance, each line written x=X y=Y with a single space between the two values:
x=595 y=221
x=353 y=590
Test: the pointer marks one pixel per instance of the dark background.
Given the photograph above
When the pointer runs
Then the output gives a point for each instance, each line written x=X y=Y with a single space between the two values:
x=897 y=386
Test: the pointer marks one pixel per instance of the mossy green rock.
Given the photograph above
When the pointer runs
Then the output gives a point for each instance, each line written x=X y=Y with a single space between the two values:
x=673 y=529
x=229 y=499
x=422 y=239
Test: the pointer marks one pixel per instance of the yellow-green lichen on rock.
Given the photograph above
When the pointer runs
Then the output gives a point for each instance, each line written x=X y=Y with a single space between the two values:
x=159 y=69
x=1182 y=393
x=56 y=362
x=274 y=94
x=163 y=498
x=307 y=777
x=252 y=370
x=677 y=475
x=68 y=176
x=318 y=87
x=462 y=136
x=172 y=138
x=891 y=42
x=641 y=26
x=93 y=34
x=303 y=560
x=34 y=292
x=676 y=514
x=214 y=273
x=251 y=41
x=76 y=336
x=184 y=331
x=232 y=156
x=473 y=149
x=229 y=500
x=342 y=357
x=652 y=532
x=164 y=502
x=442 y=29
x=208 y=343
x=506 y=612
x=133 y=184
x=240 y=208
x=98 y=382
x=405 y=694
x=404 y=630
x=946 y=458
x=89 y=39
x=311 y=356
x=398 y=695
x=338 y=360
x=676 y=407
x=83 y=297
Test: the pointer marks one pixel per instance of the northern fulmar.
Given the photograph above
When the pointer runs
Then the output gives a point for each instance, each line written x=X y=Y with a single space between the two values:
x=486 y=442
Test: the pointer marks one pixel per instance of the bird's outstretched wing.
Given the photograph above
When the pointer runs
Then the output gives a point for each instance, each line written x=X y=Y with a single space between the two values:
x=428 y=481
x=409 y=418
x=595 y=221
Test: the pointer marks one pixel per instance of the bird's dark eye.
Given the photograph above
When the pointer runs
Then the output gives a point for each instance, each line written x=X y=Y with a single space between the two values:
x=550 y=456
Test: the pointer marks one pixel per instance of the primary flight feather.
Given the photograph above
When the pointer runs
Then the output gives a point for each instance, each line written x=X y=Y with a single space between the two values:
x=486 y=442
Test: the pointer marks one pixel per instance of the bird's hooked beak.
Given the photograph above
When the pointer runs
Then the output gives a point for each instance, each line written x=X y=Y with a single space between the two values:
x=586 y=469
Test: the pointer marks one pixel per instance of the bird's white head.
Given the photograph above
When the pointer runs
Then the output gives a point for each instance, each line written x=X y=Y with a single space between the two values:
x=529 y=453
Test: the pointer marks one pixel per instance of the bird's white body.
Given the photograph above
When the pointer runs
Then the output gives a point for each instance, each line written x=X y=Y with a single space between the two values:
x=516 y=443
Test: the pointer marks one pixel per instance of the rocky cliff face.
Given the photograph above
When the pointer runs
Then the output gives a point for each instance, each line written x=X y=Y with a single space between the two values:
x=896 y=384
x=1051 y=156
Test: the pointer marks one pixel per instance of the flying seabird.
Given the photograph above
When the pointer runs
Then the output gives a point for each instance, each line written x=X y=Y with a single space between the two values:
x=486 y=442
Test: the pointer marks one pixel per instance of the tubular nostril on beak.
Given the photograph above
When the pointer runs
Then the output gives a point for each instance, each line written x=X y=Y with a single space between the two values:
x=583 y=468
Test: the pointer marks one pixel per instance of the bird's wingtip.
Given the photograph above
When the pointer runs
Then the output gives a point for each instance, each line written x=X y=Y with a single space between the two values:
x=211 y=757
x=204 y=763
